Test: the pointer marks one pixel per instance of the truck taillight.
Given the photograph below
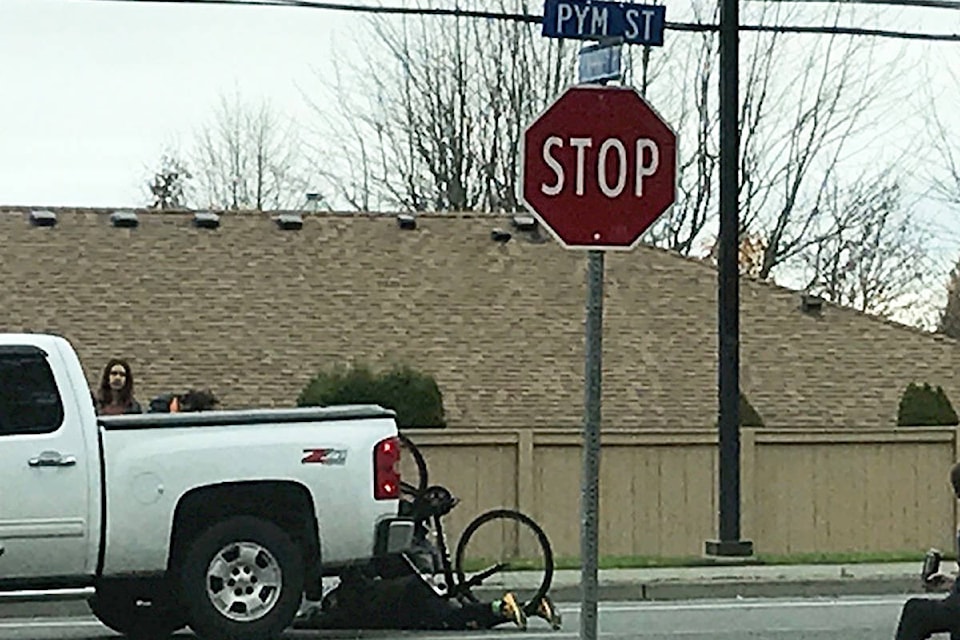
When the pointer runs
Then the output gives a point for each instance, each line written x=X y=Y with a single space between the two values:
x=386 y=469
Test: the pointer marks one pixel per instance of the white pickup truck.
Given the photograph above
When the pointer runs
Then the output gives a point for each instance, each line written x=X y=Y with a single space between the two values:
x=221 y=521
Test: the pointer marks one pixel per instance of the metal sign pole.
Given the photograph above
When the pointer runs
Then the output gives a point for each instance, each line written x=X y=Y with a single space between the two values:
x=608 y=69
x=561 y=212
x=589 y=491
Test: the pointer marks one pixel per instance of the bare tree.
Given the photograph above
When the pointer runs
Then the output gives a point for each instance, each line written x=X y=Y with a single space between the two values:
x=434 y=121
x=802 y=126
x=949 y=319
x=806 y=209
x=943 y=176
x=441 y=111
x=939 y=172
x=688 y=95
x=168 y=187
x=749 y=255
x=804 y=104
x=249 y=158
x=874 y=252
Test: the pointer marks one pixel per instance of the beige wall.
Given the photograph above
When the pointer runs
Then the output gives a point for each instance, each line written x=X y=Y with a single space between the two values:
x=803 y=490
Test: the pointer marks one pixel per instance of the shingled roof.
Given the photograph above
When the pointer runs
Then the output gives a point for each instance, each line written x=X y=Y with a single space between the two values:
x=254 y=311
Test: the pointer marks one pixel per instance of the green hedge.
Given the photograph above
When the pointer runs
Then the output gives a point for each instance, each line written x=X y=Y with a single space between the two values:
x=922 y=406
x=413 y=395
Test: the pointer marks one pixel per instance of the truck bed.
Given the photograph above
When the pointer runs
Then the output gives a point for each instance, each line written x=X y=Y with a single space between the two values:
x=152 y=461
x=241 y=417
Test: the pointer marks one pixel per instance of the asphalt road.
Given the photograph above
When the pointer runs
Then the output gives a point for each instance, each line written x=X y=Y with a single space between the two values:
x=852 y=618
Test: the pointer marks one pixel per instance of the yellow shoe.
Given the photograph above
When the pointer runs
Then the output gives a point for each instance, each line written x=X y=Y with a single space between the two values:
x=511 y=610
x=548 y=611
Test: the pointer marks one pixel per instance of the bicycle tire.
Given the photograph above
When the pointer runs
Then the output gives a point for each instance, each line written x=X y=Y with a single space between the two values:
x=415 y=491
x=523 y=520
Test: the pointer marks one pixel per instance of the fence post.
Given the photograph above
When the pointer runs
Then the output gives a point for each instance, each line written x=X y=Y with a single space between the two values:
x=956 y=515
x=526 y=487
x=748 y=476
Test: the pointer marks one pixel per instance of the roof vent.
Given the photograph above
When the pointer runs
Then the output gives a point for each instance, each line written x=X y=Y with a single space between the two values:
x=810 y=303
x=501 y=236
x=124 y=219
x=314 y=199
x=289 y=221
x=406 y=221
x=206 y=220
x=524 y=223
x=43 y=218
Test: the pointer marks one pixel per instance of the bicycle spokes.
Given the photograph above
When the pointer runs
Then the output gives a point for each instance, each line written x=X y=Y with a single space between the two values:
x=504 y=550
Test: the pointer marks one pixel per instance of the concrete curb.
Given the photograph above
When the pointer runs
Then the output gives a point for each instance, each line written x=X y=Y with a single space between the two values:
x=610 y=592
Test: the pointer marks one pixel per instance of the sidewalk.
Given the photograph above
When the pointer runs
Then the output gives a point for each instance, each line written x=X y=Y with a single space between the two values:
x=731 y=581
x=722 y=581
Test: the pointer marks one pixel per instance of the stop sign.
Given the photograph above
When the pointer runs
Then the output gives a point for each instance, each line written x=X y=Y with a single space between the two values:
x=599 y=166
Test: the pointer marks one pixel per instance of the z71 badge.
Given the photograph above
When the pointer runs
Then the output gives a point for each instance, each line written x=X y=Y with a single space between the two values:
x=324 y=456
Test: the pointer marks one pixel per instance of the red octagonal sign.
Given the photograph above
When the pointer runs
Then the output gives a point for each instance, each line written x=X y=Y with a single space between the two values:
x=599 y=167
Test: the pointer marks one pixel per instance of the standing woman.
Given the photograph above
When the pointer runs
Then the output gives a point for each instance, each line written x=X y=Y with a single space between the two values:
x=115 y=396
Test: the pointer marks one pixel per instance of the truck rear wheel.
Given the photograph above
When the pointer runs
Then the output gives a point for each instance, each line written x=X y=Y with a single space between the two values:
x=242 y=579
x=119 y=610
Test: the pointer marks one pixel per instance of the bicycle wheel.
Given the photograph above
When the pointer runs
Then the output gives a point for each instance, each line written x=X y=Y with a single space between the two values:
x=416 y=488
x=504 y=550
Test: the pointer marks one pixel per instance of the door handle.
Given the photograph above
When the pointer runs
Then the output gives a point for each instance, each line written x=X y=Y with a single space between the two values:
x=2 y=549
x=52 y=459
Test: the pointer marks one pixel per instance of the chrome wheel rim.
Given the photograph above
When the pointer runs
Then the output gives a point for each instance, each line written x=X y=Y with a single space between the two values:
x=244 y=581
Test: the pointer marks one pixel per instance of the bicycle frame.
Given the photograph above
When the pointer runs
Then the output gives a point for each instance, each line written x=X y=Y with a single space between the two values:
x=429 y=510
x=454 y=588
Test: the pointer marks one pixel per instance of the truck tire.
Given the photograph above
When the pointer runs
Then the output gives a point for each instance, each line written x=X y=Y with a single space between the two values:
x=241 y=579
x=118 y=610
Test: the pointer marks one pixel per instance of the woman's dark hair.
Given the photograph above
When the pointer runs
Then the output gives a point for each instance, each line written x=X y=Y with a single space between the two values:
x=125 y=394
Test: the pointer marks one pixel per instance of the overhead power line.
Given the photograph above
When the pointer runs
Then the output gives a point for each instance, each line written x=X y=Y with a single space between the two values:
x=855 y=31
x=354 y=8
x=532 y=18
x=934 y=4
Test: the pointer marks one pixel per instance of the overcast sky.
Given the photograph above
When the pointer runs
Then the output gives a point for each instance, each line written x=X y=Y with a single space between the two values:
x=93 y=91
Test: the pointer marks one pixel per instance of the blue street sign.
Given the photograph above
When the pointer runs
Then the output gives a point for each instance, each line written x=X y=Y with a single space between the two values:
x=599 y=63
x=599 y=20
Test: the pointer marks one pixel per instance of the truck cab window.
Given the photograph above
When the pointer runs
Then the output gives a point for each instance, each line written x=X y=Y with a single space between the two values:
x=29 y=398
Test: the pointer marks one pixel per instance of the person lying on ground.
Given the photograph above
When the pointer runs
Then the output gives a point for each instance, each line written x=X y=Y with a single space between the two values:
x=397 y=595
x=408 y=602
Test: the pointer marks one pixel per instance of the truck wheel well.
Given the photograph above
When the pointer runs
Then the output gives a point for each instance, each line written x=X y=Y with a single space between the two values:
x=287 y=504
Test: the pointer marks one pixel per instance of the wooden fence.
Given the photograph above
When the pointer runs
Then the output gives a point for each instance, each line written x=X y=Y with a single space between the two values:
x=802 y=490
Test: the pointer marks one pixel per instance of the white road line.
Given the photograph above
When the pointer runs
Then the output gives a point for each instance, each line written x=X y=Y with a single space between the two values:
x=529 y=634
x=50 y=623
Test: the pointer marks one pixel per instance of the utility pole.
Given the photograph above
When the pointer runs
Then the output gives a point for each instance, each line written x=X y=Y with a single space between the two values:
x=728 y=298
